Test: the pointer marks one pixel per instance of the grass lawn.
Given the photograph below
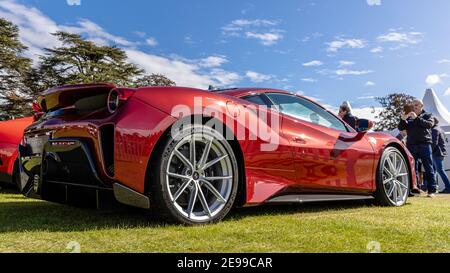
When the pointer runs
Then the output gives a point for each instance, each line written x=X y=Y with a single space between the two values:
x=423 y=225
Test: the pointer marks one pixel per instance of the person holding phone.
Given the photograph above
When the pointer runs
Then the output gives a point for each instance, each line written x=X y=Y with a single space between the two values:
x=418 y=124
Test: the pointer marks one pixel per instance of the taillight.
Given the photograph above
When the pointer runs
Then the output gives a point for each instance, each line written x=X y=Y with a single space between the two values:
x=117 y=97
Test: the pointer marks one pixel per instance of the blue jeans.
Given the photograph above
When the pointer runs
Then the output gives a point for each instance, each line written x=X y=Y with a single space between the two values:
x=424 y=153
x=439 y=167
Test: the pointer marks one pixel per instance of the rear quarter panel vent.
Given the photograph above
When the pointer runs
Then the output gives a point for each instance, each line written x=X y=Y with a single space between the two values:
x=107 y=143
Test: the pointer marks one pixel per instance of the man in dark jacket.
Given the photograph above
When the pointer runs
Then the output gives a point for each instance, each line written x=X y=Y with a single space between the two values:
x=418 y=124
x=439 y=153
x=346 y=115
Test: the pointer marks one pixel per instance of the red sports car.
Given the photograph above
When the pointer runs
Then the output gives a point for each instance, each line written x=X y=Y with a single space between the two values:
x=191 y=155
x=11 y=133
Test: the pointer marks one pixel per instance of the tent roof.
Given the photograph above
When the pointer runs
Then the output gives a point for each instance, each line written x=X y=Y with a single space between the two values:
x=434 y=105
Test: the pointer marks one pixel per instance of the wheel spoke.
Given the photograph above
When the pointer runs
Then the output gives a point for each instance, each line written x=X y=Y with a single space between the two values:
x=218 y=178
x=180 y=176
x=214 y=191
x=388 y=171
x=205 y=153
x=391 y=189
x=192 y=150
x=203 y=201
x=184 y=159
x=213 y=162
x=395 y=192
x=399 y=191
x=402 y=174
x=395 y=162
x=181 y=190
x=392 y=169
x=402 y=185
x=192 y=200
x=388 y=181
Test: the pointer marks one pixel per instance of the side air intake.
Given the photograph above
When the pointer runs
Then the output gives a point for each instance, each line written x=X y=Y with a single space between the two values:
x=107 y=143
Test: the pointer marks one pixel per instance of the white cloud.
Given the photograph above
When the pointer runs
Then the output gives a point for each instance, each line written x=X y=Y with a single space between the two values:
x=344 y=72
x=151 y=41
x=376 y=50
x=266 y=39
x=224 y=78
x=444 y=61
x=433 y=79
x=313 y=63
x=96 y=33
x=213 y=61
x=374 y=2
x=259 y=29
x=370 y=83
x=36 y=29
x=346 y=63
x=257 y=77
x=310 y=80
x=402 y=39
x=73 y=2
x=447 y=92
x=336 y=45
x=184 y=72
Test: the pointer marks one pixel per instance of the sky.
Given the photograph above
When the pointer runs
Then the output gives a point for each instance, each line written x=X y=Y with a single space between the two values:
x=329 y=50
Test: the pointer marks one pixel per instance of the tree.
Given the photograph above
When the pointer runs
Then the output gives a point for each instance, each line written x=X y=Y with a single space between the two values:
x=153 y=80
x=393 y=105
x=80 y=61
x=15 y=95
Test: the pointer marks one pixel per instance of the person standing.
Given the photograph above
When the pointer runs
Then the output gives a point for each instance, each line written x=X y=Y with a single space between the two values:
x=439 y=153
x=418 y=125
x=346 y=115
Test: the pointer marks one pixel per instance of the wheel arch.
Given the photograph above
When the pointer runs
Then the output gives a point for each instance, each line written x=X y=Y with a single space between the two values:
x=241 y=197
x=402 y=150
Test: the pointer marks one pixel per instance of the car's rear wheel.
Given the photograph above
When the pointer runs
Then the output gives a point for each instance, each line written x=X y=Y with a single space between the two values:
x=393 y=179
x=196 y=177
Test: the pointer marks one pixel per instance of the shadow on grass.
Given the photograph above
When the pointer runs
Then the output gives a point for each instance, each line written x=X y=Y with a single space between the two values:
x=18 y=216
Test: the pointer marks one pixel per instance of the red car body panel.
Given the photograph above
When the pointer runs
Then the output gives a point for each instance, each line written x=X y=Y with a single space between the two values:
x=309 y=158
x=11 y=133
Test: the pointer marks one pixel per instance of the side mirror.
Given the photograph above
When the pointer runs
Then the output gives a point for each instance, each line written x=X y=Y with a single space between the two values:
x=363 y=125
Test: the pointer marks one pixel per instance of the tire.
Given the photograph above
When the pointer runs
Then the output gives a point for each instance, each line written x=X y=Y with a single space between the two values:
x=16 y=176
x=393 y=179
x=191 y=188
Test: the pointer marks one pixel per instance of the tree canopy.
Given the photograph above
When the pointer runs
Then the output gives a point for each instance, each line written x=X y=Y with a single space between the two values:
x=14 y=69
x=74 y=61
x=393 y=105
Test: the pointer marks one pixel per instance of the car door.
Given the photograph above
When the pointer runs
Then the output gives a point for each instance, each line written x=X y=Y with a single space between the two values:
x=267 y=170
x=323 y=160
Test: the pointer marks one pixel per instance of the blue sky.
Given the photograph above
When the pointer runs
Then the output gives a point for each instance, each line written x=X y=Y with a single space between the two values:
x=331 y=50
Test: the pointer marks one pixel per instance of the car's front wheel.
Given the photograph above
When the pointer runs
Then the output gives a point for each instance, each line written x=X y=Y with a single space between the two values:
x=393 y=179
x=196 y=177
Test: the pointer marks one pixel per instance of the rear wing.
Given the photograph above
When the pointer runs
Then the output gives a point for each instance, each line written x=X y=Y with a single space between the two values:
x=68 y=95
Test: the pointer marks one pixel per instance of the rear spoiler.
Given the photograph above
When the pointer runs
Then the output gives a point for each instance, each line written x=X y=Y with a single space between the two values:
x=68 y=95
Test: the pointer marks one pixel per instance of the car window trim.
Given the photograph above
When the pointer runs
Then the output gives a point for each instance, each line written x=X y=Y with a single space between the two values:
x=326 y=110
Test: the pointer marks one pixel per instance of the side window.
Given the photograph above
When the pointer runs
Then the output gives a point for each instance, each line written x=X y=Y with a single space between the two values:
x=256 y=99
x=305 y=110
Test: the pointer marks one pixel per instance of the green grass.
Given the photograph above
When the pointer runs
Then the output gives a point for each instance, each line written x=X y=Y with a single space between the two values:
x=423 y=225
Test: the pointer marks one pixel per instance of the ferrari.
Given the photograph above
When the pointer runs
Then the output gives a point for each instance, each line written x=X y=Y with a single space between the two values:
x=11 y=133
x=191 y=155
